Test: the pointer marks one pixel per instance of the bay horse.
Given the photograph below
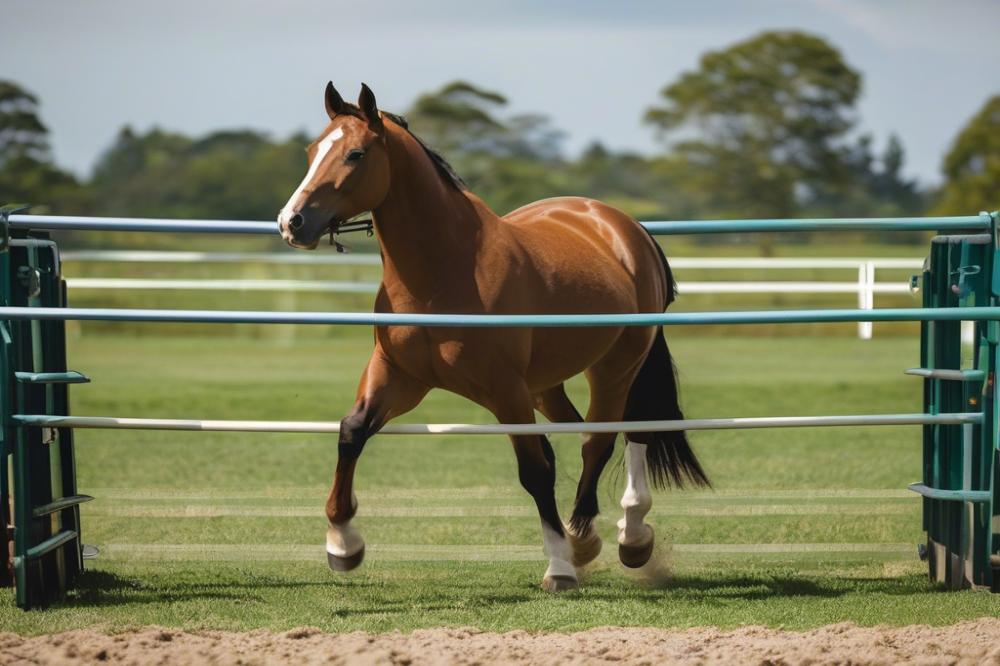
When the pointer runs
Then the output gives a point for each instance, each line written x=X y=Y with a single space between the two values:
x=445 y=251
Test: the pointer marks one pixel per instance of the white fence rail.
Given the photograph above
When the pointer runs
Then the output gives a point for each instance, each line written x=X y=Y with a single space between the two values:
x=865 y=286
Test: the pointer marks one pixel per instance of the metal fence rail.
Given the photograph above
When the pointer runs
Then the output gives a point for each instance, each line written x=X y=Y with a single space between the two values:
x=498 y=320
x=361 y=287
x=372 y=259
x=744 y=423
x=981 y=222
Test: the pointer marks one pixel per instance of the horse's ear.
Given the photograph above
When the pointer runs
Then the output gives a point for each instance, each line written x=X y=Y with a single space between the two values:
x=334 y=102
x=366 y=100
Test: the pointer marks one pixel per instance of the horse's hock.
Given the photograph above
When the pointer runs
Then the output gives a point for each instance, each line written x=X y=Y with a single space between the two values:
x=39 y=502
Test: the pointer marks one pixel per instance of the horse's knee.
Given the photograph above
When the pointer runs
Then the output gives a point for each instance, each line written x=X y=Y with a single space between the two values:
x=537 y=476
x=355 y=430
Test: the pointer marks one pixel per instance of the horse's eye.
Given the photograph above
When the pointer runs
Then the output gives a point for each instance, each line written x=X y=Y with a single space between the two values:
x=355 y=155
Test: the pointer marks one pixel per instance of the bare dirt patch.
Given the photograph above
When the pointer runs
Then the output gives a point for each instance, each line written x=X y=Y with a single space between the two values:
x=974 y=642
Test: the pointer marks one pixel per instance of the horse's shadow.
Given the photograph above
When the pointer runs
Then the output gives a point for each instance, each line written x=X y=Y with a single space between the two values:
x=741 y=587
x=103 y=588
x=97 y=588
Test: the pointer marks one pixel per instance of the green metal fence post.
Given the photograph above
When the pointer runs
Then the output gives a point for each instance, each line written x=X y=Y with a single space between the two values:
x=47 y=554
x=6 y=410
x=960 y=273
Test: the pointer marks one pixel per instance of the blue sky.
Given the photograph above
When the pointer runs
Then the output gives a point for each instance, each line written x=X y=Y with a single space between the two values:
x=594 y=67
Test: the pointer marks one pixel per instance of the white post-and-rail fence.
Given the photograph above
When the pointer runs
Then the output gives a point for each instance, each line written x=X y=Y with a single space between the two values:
x=865 y=287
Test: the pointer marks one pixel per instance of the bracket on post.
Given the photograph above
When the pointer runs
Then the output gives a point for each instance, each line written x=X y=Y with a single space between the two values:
x=5 y=212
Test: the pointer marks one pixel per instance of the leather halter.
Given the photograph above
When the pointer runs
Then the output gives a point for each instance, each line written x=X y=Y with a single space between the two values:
x=364 y=224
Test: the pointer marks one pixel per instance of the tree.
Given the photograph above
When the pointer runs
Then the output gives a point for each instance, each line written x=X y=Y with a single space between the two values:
x=460 y=118
x=27 y=173
x=22 y=134
x=647 y=188
x=234 y=174
x=761 y=124
x=508 y=161
x=972 y=165
x=876 y=185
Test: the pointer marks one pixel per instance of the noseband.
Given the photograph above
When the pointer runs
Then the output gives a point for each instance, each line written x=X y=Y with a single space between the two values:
x=363 y=224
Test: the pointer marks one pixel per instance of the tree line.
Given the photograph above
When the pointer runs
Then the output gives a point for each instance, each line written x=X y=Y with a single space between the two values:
x=764 y=128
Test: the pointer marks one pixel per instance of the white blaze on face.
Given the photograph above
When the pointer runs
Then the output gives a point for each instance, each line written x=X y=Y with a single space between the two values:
x=321 y=152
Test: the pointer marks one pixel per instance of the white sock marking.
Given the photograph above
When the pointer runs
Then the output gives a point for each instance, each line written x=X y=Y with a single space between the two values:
x=559 y=552
x=637 y=499
x=343 y=540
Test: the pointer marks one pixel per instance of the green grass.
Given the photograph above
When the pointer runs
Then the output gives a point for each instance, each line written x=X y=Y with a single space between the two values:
x=225 y=530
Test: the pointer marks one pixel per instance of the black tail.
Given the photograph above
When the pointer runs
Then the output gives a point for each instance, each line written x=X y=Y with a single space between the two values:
x=654 y=397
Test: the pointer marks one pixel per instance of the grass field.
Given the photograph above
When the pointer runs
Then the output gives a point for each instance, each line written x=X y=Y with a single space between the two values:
x=207 y=530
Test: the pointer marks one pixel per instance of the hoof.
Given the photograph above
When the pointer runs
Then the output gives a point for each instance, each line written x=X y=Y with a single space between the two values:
x=635 y=556
x=345 y=563
x=559 y=583
x=586 y=548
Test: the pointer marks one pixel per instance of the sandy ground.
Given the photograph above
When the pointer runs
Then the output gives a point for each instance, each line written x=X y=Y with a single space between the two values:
x=975 y=642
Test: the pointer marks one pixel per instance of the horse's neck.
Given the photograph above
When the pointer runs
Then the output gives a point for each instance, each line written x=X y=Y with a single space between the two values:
x=430 y=232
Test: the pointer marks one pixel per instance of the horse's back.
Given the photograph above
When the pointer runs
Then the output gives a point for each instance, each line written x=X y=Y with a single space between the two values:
x=581 y=239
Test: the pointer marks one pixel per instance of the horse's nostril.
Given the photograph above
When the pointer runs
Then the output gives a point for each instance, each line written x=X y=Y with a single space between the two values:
x=296 y=222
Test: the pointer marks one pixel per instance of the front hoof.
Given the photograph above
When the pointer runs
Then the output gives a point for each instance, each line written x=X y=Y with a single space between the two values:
x=341 y=564
x=585 y=548
x=559 y=583
x=635 y=556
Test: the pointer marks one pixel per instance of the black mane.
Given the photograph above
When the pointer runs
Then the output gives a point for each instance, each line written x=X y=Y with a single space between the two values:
x=440 y=163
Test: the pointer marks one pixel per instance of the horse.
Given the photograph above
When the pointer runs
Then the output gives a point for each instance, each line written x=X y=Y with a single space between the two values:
x=445 y=251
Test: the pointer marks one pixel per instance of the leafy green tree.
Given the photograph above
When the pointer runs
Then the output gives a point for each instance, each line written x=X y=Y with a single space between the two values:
x=460 y=118
x=647 y=188
x=27 y=172
x=972 y=165
x=509 y=161
x=235 y=174
x=22 y=134
x=761 y=124
x=876 y=185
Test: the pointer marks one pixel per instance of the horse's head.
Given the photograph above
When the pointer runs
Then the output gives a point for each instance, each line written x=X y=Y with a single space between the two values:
x=348 y=172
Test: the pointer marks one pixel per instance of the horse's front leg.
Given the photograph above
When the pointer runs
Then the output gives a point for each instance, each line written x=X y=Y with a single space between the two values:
x=384 y=393
x=635 y=537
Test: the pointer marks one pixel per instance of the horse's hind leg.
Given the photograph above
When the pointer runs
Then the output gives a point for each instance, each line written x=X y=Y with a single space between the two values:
x=610 y=381
x=383 y=393
x=536 y=465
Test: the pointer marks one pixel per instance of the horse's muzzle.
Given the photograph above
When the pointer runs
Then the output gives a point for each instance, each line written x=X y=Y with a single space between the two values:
x=300 y=232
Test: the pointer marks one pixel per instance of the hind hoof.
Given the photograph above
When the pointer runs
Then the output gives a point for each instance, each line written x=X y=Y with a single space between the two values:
x=635 y=556
x=585 y=548
x=559 y=583
x=341 y=564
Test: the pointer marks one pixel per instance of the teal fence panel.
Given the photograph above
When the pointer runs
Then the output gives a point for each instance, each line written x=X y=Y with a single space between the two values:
x=44 y=552
x=959 y=459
